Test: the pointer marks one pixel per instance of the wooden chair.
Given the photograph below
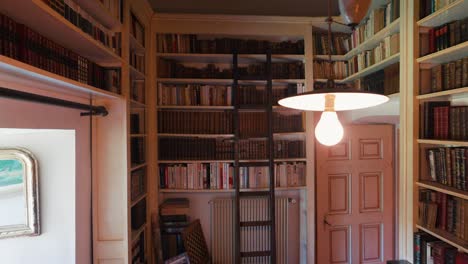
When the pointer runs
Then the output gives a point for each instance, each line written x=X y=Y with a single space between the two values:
x=195 y=243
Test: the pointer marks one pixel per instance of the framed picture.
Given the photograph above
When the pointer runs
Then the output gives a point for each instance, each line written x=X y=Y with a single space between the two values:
x=19 y=193
x=180 y=259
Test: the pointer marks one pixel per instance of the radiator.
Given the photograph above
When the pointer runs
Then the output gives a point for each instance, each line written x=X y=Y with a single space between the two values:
x=252 y=238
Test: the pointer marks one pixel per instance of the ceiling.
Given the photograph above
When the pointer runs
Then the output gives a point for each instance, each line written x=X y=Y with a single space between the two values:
x=305 y=8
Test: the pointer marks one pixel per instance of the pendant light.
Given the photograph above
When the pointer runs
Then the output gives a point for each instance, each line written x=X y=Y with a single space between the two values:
x=329 y=130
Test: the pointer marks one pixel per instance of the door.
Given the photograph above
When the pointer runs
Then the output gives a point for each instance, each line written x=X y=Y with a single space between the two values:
x=355 y=197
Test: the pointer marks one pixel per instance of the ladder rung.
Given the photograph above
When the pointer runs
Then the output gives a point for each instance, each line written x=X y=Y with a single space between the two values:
x=255 y=254
x=256 y=223
x=254 y=193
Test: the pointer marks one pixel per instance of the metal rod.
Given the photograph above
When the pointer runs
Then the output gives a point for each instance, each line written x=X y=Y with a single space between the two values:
x=235 y=84
x=18 y=95
x=271 y=157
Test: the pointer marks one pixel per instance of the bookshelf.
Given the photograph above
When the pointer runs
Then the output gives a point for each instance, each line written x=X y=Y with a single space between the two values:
x=431 y=143
x=373 y=68
x=141 y=195
x=52 y=25
x=224 y=59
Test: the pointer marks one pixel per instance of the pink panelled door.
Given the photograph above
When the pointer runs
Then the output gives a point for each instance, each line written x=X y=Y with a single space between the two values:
x=355 y=197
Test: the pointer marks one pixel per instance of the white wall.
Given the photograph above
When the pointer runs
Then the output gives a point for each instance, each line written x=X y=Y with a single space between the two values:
x=75 y=246
x=55 y=153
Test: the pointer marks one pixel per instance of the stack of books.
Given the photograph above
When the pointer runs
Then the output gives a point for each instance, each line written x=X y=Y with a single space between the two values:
x=444 y=77
x=173 y=215
x=444 y=36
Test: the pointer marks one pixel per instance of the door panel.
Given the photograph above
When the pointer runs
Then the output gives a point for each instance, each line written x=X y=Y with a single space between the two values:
x=355 y=198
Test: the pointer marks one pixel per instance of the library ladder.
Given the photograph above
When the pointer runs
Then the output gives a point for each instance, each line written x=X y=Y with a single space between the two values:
x=268 y=194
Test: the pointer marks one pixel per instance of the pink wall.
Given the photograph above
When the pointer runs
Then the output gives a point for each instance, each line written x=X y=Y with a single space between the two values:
x=19 y=114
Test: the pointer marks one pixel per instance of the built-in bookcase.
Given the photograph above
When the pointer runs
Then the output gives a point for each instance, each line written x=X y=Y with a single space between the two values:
x=367 y=57
x=441 y=63
x=140 y=226
x=195 y=112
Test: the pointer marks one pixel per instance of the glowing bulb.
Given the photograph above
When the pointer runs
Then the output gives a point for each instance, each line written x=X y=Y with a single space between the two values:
x=329 y=130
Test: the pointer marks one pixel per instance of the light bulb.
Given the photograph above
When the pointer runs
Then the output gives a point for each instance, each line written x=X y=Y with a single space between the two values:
x=329 y=130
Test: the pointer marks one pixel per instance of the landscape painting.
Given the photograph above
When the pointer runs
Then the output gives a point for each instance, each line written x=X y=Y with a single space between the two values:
x=12 y=198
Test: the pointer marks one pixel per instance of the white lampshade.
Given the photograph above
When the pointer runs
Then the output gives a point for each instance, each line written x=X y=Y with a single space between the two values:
x=344 y=100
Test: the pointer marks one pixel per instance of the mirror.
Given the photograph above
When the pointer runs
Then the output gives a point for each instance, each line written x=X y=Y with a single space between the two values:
x=19 y=193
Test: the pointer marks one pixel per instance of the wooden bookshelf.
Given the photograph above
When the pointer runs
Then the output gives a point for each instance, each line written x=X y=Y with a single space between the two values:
x=196 y=135
x=135 y=45
x=192 y=161
x=325 y=80
x=370 y=43
x=136 y=74
x=43 y=19
x=446 y=237
x=138 y=199
x=13 y=71
x=99 y=12
x=447 y=94
x=446 y=55
x=292 y=188
x=137 y=233
x=196 y=107
x=136 y=104
x=227 y=58
x=443 y=142
x=194 y=81
x=419 y=168
x=443 y=189
x=449 y=13
x=333 y=57
x=373 y=68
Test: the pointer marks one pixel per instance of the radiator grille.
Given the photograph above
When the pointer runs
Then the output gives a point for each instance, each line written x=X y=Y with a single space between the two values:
x=252 y=238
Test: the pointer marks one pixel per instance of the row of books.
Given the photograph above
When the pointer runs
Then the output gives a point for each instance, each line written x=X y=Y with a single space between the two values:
x=219 y=149
x=137 y=151
x=195 y=122
x=189 y=43
x=173 y=69
x=221 y=95
x=323 y=85
x=388 y=47
x=82 y=20
x=322 y=69
x=447 y=166
x=386 y=81
x=138 y=214
x=195 y=149
x=138 y=183
x=282 y=149
x=378 y=19
x=442 y=121
x=219 y=176
x=445 y=36
x=445 y=76
x=427 y=7
x=137 y=121
x=137 y=61
x=196 y=176
x=22 y=43
x=340 y=43
x=173 y=218
x=444 y=212
x=194 y=94
x=429 y=249
x=137 y=91
x=137 y=30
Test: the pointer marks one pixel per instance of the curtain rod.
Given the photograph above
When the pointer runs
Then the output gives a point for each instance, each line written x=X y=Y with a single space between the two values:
x=13 y=94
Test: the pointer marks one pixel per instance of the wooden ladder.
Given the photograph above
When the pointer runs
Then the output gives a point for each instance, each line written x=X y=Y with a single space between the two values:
x=270 y=193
